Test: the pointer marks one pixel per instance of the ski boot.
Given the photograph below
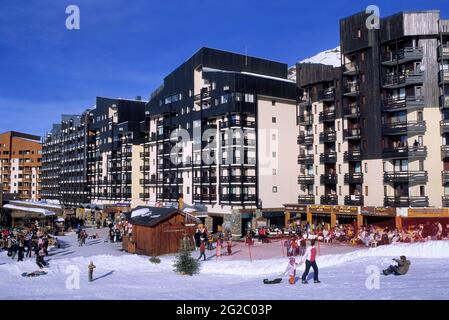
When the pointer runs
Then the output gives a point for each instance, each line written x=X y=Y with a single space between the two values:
x=304 y=281
x=317 y=281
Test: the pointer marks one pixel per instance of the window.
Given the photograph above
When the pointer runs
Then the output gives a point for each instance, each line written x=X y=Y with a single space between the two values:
x=339 y=147
x=422 y=191
x=273 y=103
x=274 y=154
x=366 y=191
x=273 y=137
x=273 y=119
x=339 y=190
x=316 y=169
x=363 y=77
x=249 y=98
x=359 y=33
x=339 y=168
x=274 y=172
x=188 y=190
x=421 y=165
x=338 y=125
x=366 y=167
x=385 y=190
x=362 y=56
x=316 y=190
x=316 y=129
x=275 y=189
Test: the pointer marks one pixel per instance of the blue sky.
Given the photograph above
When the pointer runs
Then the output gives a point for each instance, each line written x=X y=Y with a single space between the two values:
x=125 y=48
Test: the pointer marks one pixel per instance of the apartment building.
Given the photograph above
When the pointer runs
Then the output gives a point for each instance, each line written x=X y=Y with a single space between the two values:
x=20 y=164
x=390 y=116
x=219 y=132
x=89 y=158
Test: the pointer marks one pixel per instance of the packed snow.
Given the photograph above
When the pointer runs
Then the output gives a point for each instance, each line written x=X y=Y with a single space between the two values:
x=125 y=276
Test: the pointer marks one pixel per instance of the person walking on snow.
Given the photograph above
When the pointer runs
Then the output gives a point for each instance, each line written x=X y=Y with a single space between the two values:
x=291 y=270
x=202 y=250
x=91 y=268
x=310 y=258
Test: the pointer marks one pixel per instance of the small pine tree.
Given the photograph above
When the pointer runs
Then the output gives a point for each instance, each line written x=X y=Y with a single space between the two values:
x=185 y=263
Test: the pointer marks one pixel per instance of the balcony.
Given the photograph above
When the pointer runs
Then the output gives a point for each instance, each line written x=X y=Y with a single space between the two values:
x=352 y=134
x=444 y=52
x=406 y=177
x=398 y=80
x=327 y=95
x=354 y=178
x=351 y=89
x=306 y=199
x=305 y=139
x=402 y=56
x=328 y=157
x=144 y=168
x=305 y=120
x=238 y=198
x=413 y=152
x=205 y=180
x=352 y=110
x=328 y=179
x=168 y=196
x=403 y=103
x=444 y=151
x=404 y=127
x=148 y=181
x=237 y=123
x=239 y=161
x=445 y=201
x=445 y=177
x=443 y=77
x=327 y=116
x=144 y=195
x=238 y=179
x=205 y=197
x=328 y=136
x=354 y=200
x=444 y=126
x=405 y=202
x=352 y=155
x=306 y=179
x=305 y=159
x=238 y=142
x=330 y=199
x=444 y=101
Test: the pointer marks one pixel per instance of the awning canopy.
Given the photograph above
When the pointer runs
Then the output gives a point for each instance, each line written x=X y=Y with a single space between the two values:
x=27 y=211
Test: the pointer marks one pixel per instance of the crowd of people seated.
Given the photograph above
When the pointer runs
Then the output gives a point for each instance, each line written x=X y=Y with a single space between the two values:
x=366 y=235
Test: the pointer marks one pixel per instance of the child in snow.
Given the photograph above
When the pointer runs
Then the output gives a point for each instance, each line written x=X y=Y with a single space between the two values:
x=291 y=270
x=202 y=250
x=229 y=247
x=91 y=268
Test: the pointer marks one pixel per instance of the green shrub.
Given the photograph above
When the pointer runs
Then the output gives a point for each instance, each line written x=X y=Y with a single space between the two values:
x=185 y=263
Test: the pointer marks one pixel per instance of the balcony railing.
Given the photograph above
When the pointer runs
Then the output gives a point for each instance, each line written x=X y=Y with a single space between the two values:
x=406 y=202
x=406 y=177
x=327 y=116
x=444 y=50
x=306 y=179
x=445 y=201
x=351 y=110
x=237 y=123
x=354 y=200
x=306 y=199
x=328 y=157
x=443 y=76
x=404 y=127
x=444 y=101
x=352 y=133
x=397 y=80
x=328 y=179
x=352 y=155
x=354 y=178
x=403 y=103
x=329 y=136
x=205 y=197
x=238 y=198
x=331 y=199
x=238 y=179
x=305 y=139
x=445 y=177
x=350 y=68
x=204 y=180
x=445 y=151
x=351 y=88
x=305 y=119
x=402 y=55
x=305 y=159
x=327 y=95
x=412 y=152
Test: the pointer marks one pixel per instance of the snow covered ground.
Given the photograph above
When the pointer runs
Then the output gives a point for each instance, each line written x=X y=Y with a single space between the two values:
x=123 y=276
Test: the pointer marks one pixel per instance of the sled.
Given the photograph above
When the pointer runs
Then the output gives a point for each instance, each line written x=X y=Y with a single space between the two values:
x=34 y=274
x=274 y=281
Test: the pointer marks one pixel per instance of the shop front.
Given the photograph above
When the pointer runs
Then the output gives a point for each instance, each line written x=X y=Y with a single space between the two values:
x=344 y=215
x=295 y=215
x=379 y=216
x=426 y=218
x=275 y=218
x=319 y=215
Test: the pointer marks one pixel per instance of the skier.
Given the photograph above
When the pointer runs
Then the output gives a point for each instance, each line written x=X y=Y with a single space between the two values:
x=202 y=250
x=40 y=258
x=310 y=258
x=399 y=270
x=291 y=270
x=91 y=268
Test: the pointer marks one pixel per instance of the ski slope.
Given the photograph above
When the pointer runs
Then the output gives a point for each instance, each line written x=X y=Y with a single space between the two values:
x=123 y=276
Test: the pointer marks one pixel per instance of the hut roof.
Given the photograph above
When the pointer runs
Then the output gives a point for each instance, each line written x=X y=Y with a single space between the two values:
x=151 y=216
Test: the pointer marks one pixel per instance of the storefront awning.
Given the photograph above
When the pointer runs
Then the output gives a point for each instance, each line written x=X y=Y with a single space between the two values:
x=273 y=214
x=24 y=211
